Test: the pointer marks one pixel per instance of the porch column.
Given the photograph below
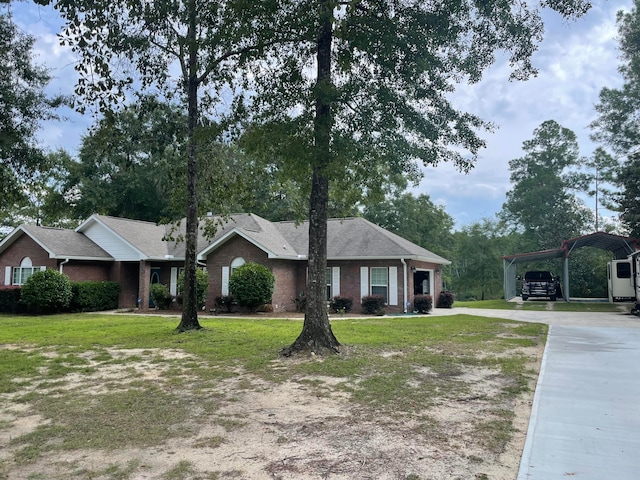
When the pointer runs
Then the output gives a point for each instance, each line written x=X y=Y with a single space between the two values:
x=144 y=280
x=116 y=275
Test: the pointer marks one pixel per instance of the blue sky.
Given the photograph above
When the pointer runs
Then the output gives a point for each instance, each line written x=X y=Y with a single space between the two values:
x=575 y=61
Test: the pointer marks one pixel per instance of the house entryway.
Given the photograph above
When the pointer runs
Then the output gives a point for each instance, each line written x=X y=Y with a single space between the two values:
x=422 y=282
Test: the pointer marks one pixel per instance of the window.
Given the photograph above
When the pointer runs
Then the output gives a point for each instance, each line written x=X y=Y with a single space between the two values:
x=236 y=262
x=623 y=270
x=22 y=273
x=380 y=282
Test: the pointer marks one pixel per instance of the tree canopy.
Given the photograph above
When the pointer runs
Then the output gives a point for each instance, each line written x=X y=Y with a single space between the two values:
x=23 y=105
x=128 y=163
x=617 y=125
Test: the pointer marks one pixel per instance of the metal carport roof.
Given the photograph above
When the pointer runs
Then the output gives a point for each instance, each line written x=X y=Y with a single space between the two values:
x=621 y=247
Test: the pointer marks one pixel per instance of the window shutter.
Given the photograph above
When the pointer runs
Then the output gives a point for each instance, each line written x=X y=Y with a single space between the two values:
x=335 y=281
x=393 y=285
x=7 y=275
x=364 y=281
x=173 y=285
x=225 y=281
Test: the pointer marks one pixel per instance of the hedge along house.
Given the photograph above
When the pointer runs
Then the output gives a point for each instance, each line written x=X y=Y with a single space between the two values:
x=363 y=258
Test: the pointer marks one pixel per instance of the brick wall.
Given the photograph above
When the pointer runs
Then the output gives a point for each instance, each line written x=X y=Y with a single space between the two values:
x=78 y=271
x=287 y=273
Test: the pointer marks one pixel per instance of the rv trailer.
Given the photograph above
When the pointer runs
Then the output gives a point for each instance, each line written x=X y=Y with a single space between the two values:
x=635 y=264
x=624 y=280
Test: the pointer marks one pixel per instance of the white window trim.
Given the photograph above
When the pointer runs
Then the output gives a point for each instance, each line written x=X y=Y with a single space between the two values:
x=335 y=279
x=226 y=272
x=364 y=281
x=173 y=283
x=393 y=285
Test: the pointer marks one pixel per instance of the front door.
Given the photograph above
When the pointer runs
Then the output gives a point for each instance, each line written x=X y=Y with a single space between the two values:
x=155 y=278
x=422 y=283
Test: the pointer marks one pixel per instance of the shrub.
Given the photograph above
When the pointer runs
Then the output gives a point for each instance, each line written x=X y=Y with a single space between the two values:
x=373 y=304
x=94 y=296
x=202 y=284
x=301 y=302
x=252 y=285
x=422 y=303
x=225 y=303
x=341 y=304
x=160 y=295
x=10 y=300
x=46 y=291
x=445 y=300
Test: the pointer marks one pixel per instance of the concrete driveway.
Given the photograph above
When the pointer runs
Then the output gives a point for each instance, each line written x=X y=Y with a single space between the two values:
x=585 y=420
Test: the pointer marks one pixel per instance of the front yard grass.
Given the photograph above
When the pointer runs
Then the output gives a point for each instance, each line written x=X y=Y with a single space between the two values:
x=106 y=383
x=545 y=304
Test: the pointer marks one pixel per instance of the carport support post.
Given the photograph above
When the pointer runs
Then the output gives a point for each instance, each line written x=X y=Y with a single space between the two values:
x=565 y=278
x=509 y=279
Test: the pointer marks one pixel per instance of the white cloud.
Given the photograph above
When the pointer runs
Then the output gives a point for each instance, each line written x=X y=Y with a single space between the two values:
x=575 y=61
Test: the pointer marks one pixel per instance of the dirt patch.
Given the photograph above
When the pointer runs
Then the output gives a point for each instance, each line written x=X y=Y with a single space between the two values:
x=307 y=427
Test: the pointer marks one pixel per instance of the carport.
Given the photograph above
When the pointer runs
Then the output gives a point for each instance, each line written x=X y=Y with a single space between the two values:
x=619 y=246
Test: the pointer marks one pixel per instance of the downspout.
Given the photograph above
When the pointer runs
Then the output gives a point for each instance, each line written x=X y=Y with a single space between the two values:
x=404 y=281
x=62 y=263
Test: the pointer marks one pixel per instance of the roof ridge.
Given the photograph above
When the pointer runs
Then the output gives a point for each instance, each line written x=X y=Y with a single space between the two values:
x=46 y=226
x=123 y=219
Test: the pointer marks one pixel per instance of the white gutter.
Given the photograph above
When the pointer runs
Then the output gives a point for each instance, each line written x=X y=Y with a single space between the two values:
x=404 y=280
x=62 y=263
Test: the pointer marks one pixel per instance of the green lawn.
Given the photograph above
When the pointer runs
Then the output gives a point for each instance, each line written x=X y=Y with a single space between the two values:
x=49 y=365
x=544 y=304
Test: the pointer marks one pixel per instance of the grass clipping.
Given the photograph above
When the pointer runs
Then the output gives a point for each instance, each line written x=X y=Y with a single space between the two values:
x=452 y=408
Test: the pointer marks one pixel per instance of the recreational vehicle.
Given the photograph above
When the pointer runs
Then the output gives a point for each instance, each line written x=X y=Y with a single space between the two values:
x=624 y=280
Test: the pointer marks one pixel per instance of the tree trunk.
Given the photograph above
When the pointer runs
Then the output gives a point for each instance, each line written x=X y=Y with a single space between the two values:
x=189 y=319
x=316 y=335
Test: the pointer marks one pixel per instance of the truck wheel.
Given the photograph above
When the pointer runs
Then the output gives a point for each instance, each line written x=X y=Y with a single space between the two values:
x=525 y=297
x=552 y=298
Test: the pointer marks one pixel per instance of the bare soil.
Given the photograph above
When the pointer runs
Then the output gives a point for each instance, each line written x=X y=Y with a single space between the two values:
x=304 y=428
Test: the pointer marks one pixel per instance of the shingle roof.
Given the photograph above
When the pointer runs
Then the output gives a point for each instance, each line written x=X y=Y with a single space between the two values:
x=348 y=238
x=356 y=237
x=63 y=243
x=147 y=237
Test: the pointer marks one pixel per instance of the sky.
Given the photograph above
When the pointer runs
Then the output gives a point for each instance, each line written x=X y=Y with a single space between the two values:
x=575 y=61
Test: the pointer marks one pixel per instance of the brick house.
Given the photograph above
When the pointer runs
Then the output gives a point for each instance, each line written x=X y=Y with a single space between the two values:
x=363 y=258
